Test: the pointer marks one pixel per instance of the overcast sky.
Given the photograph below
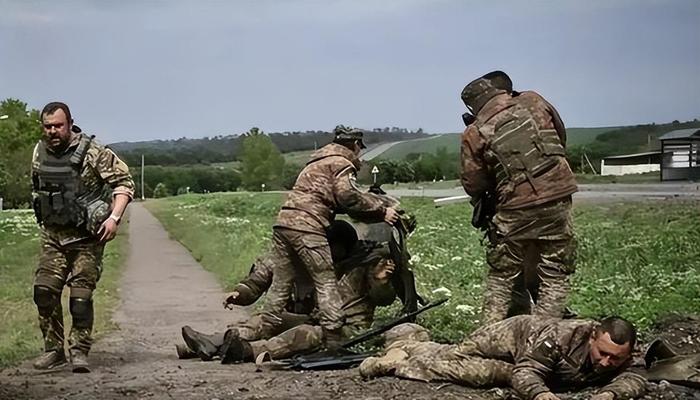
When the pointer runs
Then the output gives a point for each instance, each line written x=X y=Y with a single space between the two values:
x=140 y=70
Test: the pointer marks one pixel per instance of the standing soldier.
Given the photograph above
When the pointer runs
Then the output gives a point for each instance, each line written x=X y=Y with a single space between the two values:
x=514 y=153
x=80 y=191
x=324 y=188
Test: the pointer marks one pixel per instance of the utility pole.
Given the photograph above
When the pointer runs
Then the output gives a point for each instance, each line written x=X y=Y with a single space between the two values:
x=143 y=192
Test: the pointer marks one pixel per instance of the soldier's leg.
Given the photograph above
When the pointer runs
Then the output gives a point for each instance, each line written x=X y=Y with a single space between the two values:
x=281 y=288
x=315 y=255
x=469 y=371
x=252 y=329
x=49 y=280
x=86 y=265
x=505 y=259
x=407 y=356
x=298 y=340
x=555 y=268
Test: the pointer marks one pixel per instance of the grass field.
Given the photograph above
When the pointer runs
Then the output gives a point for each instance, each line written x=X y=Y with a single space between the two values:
x=20 y=336
x=639 y=260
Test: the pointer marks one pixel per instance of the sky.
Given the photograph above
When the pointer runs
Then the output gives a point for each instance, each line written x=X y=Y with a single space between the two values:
x=143 y=70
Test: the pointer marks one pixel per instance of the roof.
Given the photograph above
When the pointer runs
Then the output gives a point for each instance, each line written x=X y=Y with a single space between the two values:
x=681 y=134
x=648 y=153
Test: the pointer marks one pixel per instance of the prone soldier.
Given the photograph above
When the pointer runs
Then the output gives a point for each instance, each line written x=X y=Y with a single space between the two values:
x=535 y=355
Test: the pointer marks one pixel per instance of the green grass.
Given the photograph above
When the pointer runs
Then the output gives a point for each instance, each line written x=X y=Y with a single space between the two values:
x=639 y=260
x=20 y=336
x=584 y=136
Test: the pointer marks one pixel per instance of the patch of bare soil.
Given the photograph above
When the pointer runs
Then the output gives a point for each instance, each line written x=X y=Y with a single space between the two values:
x=164 y=288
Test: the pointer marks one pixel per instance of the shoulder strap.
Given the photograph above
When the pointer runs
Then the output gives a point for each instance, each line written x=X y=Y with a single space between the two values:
x=79 y=154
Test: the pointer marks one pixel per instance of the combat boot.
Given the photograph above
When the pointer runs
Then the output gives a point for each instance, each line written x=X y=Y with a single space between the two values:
x=79 y=360
x=200 y=343
x=385 y=365
x=235 y=350
x=333 y=339
x=184 y=352
x=51 y=359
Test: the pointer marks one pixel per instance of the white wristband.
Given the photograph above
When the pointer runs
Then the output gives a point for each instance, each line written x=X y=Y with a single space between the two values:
x=114 y=217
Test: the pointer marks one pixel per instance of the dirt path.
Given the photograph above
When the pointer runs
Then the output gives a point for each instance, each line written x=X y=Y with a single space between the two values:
x=162 y=289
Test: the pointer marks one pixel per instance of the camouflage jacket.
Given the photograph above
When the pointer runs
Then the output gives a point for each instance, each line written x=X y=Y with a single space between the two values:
x=101 y=169
x=553 y=354
x=360 y=290
x=325 y=187
x=477 y=175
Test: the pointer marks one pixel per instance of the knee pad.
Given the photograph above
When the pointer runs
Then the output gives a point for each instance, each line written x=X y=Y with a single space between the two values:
x=46 y=300
x=82 y=312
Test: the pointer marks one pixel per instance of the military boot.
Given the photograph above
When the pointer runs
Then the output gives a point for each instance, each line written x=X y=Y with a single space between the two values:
x=385 y=365
x=333 y=339
x=202 y=344
x=79 y=360
x=50 y=360
x=235 y=350
x=184 y=352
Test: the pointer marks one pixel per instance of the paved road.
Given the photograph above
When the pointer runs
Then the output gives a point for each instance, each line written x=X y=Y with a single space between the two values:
x=593 y=192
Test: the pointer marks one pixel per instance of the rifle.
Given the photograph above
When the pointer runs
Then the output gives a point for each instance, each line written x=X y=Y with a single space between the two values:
x=484 y=210
x=348 y=359
x=398 y=321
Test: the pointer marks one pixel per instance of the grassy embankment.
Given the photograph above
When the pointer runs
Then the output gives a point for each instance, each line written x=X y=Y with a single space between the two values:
x=20 y=336
x=638 y=260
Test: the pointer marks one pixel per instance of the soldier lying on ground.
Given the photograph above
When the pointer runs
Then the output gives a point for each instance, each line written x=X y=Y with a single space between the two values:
x=367 y=281
x=534 y=355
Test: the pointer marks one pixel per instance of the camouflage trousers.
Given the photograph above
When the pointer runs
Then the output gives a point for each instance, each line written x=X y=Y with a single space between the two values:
x=436 y=362
x=312 y=252
x=533 y=244
x=76 y=265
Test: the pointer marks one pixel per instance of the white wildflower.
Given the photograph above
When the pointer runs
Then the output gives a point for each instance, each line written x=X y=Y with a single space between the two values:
x=443 y=290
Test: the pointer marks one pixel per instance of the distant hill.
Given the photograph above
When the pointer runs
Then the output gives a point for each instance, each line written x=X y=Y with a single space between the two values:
x=451 y=141
x=222 y=149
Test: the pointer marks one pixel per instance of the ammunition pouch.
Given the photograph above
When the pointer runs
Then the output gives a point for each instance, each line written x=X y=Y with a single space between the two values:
x=523 y=151
x=96 y=212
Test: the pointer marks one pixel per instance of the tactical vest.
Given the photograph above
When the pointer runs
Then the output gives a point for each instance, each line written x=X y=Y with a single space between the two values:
x=62 y=199
x=522 y=150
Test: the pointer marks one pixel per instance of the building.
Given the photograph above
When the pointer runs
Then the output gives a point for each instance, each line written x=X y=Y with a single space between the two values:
x=681 y=149
x=631 y=163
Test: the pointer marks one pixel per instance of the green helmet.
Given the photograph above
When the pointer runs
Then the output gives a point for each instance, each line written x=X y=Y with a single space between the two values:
x=478 y=92
x=342 y=132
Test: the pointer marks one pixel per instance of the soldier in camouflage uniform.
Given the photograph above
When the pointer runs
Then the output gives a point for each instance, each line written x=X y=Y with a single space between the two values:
x=535 y=355
x=515 y=151
x=80 y=192
x=363 y=286
x=324 y=188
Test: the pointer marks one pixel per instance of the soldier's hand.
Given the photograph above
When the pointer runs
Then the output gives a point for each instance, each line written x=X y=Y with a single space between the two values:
x=108 y=230
x=384 y=271
x=603 y=396
x=229 y=300
x=547 y=396
x=391 y=216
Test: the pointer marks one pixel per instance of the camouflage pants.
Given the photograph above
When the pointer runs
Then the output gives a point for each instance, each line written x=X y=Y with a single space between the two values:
x=77 y=265
x=291 y=249
x=544 y=231
x=436 y=362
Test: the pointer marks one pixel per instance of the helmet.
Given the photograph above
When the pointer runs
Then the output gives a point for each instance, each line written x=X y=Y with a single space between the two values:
x=478 y=92
x=342 y=132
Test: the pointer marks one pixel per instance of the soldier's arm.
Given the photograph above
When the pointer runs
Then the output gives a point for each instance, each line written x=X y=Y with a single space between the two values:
x=558 y=123
x=114 y=172
x=535 y=365
x=627 y=385
x=474 y=175
x=364 y=206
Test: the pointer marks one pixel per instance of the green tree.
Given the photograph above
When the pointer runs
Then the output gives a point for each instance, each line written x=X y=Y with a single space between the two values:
x=19 y=132
x=261 y=162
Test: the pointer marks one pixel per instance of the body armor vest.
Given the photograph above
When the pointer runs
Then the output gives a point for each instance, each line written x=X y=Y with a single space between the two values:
x=62 y=199
x=521 y=149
